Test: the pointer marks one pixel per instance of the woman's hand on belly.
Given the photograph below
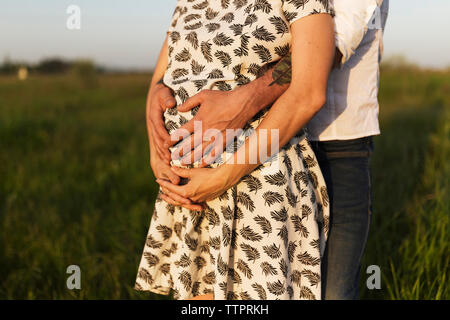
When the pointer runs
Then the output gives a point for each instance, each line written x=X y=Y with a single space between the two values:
x=163 y=172
x=203 y=184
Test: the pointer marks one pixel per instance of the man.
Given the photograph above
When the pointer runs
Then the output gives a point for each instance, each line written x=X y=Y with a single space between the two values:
x=340 y=133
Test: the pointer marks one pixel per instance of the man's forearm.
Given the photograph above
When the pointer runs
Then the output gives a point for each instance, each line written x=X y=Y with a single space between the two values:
x=267 y=88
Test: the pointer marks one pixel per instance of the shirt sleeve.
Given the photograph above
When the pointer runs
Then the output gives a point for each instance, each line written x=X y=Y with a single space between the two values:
x=177 y=13
x=351 y=22
x=296 y=9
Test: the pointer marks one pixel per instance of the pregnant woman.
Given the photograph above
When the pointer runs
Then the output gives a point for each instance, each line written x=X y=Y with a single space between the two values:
x=262 y=227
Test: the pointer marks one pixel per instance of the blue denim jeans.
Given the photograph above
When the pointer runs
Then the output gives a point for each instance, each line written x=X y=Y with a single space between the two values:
x=345 y=166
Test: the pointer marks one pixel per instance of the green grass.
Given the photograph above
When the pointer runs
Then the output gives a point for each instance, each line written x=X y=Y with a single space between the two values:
x=76 y=187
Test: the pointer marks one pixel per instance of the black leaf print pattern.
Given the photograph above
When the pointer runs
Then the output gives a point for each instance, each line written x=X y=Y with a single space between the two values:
x=296 y=278
x=194 y=26
x=290 y=15
x=238 y=214
x=235 y=277
x=210 y=278
x=237 y=28
x=264 y=224
x=200 y=84
x=268 y=269
x=243 y=267
x=283 y=267
x=184 y=261
x=183 y=56
x=282 y=51
x=206 y=51
x=171 y=126
x=182 y=121
x=175 y=36
x=314 y=180
x=195 y=289
x=222 y=267
x=263 y=53
x=222 y=40
x=280 y=215
x=262 y=295
x=261 y=33
x=279 y=25
x=199 y=262
x=239 y=3
x=251 y=19
x=182 y=93
x=306 y=293
x=246 y=201
x=178 y=73
x=291 y=197
x=191 y=242
x=215 y=243
x=211 y=14
x=262 y=5
x=251 y=253
x=169 y=252
x=223 y=86
x=191 y=17
x=291 y=251
x=245 y=296
x=272 y=251
x=152 y=259
x=201 y=6
x=229 y=17
x=313 y=278
x=211 y=27
x=165 y=269
x=232 y=295
x=306 y=259
x=243 y=49
x=298 y=3
x=204 y=247
x=242 y=80
x=234 y=237
x=146 y=276
x=315 y=244
x=284 y=235
x=224 y=58
x=152 y=243
x=288 y=163
x=226 y=235
x=248 y=234
x=278 y=179
x=186 y=280
x=325 y=199
x=272 y=197
x=306 y=212
x=225 y=3
x=277 y=288
x=215 y=74
x=310 y=162
x=227 y=212
x=254 y=69
x=192 y=39
x=212 y=216
x=299 y=227
x=224 y=287
x=166 y=232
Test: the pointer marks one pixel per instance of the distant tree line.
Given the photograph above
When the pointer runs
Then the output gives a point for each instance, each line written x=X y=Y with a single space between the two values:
x=50 y=66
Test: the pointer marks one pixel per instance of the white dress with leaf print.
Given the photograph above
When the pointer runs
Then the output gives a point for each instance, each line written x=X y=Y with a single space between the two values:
x=263 y=238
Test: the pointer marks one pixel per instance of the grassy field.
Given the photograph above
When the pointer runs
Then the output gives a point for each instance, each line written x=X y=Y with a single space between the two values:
x=76 y=187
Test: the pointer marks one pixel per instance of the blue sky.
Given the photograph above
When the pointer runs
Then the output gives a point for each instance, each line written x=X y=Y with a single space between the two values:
x=129 y=33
